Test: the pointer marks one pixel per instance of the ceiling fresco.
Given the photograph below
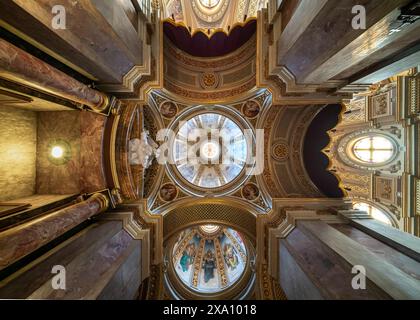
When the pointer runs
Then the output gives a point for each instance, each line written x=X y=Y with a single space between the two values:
x=209 y=258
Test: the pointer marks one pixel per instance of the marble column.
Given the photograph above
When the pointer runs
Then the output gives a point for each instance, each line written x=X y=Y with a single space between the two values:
x=319 y=256
x=17 y=242
x=19 y=66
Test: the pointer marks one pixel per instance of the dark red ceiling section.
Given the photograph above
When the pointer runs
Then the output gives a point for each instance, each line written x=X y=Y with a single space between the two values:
x=200 y=45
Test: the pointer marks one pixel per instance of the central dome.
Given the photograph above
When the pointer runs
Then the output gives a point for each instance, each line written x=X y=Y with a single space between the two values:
x=210 y=150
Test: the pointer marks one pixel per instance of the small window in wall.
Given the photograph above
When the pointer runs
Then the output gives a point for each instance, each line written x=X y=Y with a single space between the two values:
x=373 y=149
x=374 y=212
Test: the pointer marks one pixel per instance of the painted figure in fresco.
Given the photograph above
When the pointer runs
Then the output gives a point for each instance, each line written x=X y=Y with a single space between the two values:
x=209 y=264
x=230 y=256
x=187 y=258
x=251 y=109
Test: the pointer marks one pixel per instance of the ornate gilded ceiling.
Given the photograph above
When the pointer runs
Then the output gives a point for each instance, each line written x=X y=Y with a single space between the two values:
x=208 y=259
x=206 y=130
x=210 y=16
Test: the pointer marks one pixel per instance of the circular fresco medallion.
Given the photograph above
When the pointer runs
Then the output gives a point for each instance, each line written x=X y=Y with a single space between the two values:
x=251 y=109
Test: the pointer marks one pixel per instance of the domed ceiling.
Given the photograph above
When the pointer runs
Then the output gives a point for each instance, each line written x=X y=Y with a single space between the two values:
x=206 y=159
x=209 y=259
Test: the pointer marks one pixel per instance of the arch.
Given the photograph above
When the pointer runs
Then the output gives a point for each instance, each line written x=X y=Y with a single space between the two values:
x=372 y=149
x=186 y=213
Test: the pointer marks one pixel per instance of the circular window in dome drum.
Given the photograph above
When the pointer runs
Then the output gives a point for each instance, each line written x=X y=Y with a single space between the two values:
x=373 y=149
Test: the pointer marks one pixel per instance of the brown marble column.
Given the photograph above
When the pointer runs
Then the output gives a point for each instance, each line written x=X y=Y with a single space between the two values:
x=19 y=66
x=19 y=241
x=319 y=255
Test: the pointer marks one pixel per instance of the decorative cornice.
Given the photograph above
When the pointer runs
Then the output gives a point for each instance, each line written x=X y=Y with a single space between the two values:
x=281 y=221
x=354 y=214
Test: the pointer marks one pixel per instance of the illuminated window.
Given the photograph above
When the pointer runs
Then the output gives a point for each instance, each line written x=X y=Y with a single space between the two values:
x=374 y=212
x=209 y=3
x=374 y=149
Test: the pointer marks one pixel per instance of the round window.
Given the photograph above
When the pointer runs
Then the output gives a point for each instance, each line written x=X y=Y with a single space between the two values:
x=373 y=149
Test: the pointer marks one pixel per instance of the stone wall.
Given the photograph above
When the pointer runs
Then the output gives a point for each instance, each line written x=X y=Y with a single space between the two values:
x=18 y=138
